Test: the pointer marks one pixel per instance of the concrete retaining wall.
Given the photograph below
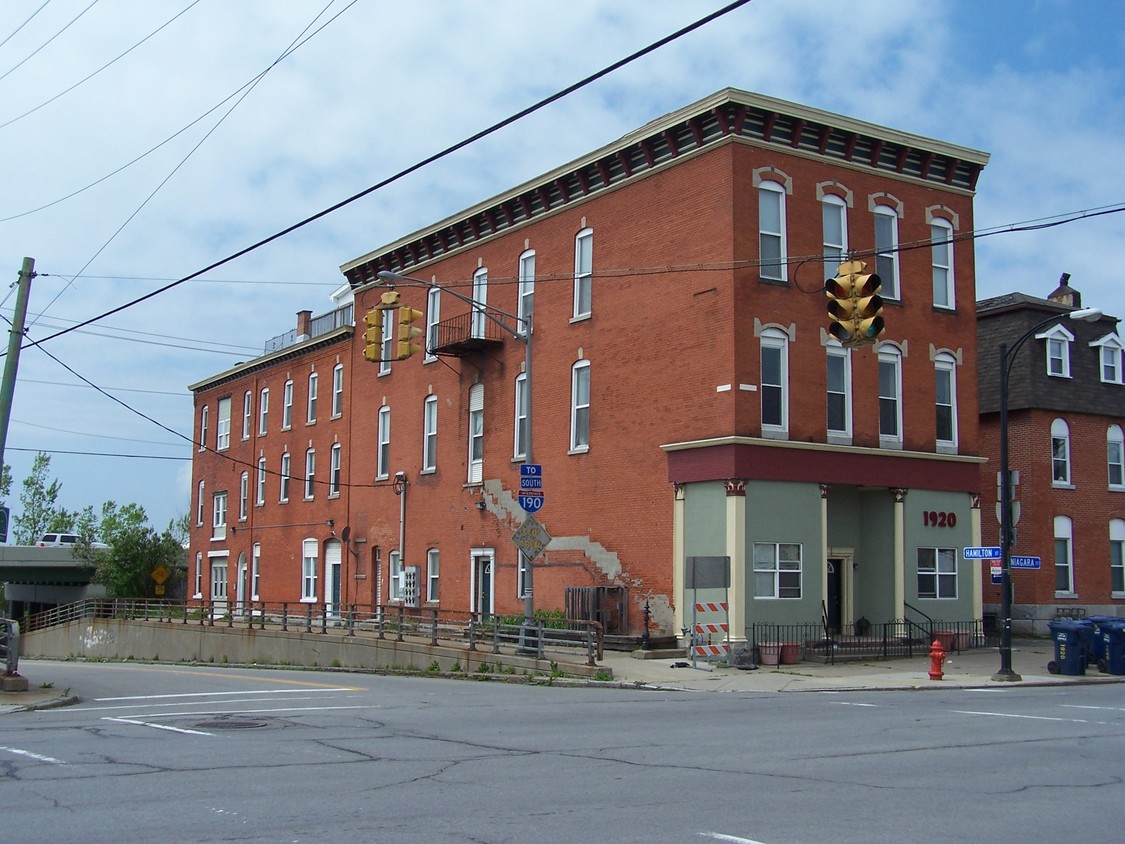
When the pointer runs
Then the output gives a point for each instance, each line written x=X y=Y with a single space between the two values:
x=117 y=639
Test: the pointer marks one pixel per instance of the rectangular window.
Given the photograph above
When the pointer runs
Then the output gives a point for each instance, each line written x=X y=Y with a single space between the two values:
x=1116 y=461
x=1064 y=570
x=247 y=414
x=480 y=300
x=1111 y=365
x=429 y=434
x=310 y=472
x=243 y=496
x=433 y=316
x=313 y=382
x=890 y=388
x=775 y=410
x=255 y=570
x=261 y=497
x=387 y=350
x=937 y=573
x=287 y=406
x=284 y=495
x=219 y=516
x=583 y=273
x=886 y=250
x=396 y=586
x=839 y=391
x=527 y=289
x=834 y=218
x=338 y=390
x=263 y=410
x=383 y=455
x=945 y=402
x=1060 y=459
x=580 y=407
x=771 y=231
x=334 y=470
x=941 y=259
x=1058 y=357
x=203 y=428
x=199 y=505
x=476 y=434
x=309 y=559
x=777 y=570
x=433 y=570
x=520 y=446
x=1117 y=565
x=222 y=428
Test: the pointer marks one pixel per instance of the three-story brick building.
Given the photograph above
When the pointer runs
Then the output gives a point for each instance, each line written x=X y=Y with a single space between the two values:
x=686 y=399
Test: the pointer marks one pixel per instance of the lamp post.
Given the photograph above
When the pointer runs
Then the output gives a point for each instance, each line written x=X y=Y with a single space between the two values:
x=521 y=332
x=1007 y=358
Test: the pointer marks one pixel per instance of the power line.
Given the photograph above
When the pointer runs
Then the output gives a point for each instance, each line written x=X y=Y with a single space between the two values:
x=414 y=167
x=98 y=453
x=34 y=52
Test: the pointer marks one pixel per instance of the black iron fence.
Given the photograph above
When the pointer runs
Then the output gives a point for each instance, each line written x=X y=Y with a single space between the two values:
x=781 y=644
x=389 y=621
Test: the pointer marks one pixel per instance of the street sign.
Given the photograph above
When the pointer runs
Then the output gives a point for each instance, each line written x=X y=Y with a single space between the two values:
x=1026 y=562
x=531 y=538
x=988 y=552
x=531 y=487
x=531 y=500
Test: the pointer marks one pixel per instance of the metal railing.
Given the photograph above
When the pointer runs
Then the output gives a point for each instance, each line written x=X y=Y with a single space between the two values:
x=887 y=640
x=472 y=631
x=9 y=645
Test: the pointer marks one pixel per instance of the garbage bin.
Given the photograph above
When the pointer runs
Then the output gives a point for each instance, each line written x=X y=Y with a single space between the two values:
x=1112 y=657
x=1097 y=643
x=1070 y=656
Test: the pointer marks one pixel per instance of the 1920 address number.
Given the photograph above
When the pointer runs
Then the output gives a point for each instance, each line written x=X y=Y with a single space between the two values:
x=933 y=518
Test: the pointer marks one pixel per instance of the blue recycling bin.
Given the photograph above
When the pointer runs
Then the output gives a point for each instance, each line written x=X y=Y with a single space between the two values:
x=1071 y=639
x=1097 y=644
x=1112 y=657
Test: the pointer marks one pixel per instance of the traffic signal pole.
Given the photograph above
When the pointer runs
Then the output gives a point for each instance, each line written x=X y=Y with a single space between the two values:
x=15 y=340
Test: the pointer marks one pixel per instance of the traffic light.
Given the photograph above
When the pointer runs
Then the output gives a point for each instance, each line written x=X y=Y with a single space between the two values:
x=854 y=305
x=373 y=336
x=408 y=332
x=389 y=300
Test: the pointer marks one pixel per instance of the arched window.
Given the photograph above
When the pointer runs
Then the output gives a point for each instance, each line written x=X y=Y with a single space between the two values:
x=1115 y=456
x=771 y=230
x=945 y=400
x=580 y=406
x=886 y=249
x=941 y=259
x=890 y=396
x=834 y=223
x=775 y=382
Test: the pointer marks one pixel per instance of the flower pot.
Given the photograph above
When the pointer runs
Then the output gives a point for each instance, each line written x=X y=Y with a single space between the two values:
x=770 y=653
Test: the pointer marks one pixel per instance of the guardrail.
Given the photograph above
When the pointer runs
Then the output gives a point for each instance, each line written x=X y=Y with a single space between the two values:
x=474 y=631
x=9 y=646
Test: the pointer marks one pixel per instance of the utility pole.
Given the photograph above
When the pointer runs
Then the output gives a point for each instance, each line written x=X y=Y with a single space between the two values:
x=11 y=364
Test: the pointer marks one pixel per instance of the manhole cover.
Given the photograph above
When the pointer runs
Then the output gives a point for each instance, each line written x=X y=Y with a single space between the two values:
x=232 y=724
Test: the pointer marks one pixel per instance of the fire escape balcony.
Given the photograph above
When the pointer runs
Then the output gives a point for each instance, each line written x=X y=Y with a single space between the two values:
x=464 y=333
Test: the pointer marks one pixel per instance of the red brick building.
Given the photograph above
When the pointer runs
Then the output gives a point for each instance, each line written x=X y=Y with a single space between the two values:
x=1066 y=415
x=686 y=397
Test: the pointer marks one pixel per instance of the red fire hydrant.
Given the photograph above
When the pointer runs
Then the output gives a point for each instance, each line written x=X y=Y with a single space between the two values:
x=937 y=657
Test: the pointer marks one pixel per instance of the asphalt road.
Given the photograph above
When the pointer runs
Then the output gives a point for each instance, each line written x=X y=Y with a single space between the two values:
x=167 y=753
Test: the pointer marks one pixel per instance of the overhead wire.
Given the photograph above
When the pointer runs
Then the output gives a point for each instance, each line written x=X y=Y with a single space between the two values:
x=35 y=52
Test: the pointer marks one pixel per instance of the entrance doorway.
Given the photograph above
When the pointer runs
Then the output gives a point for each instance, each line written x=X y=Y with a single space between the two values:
x=834 y=600
x=333 y=560
x=839 y=589
x=482 y=582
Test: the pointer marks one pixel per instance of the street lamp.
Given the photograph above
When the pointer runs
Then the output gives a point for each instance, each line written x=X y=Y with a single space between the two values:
x=1007 y=358
x=522 y=333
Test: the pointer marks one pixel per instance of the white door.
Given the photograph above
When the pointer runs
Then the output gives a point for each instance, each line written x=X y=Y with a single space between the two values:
x=219 y=584
x=332 y=579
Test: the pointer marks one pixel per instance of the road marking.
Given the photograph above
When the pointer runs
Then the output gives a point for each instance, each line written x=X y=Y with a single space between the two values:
x=184 y=703
x=1078 y=706
x=1025 y=717
x=733 y=839
x=222 y=694
x=36 y=756
x=849 y=703
x=158 y=726
x=241 y=711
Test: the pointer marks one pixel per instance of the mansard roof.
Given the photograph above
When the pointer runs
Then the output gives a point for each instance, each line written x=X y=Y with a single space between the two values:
x=727 y=115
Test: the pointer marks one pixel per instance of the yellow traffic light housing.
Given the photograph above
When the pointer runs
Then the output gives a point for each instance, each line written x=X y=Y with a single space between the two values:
x=408 y=332
x=389 y=301
x=854 y=305
x=373 y=336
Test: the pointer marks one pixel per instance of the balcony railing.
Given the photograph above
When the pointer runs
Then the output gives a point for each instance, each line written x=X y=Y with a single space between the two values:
x=464 y=333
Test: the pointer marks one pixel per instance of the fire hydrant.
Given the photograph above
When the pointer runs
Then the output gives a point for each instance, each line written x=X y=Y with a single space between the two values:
x=937 y=657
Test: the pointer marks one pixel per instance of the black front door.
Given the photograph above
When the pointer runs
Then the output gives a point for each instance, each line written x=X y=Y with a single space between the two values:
x=834 y=599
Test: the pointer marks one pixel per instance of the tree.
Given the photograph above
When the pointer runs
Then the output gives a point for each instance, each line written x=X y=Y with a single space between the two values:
x=41 y=513
x=5 y=483
x=135 y=551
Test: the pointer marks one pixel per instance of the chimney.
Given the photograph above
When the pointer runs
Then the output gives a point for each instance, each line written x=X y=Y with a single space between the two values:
x=1064 y=294
x=304 y=325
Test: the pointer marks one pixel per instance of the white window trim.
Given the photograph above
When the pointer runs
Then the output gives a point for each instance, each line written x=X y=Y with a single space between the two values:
x=433 y=575
x=1060 y=430
x=941 y=241
x=947 y=363
x=309 y=565
x=520 y=417
x=833 y=349
x=433 y=317
x=583 y=274
x=525 y=303
x=255 y=570
x=1117 y=535
x=222 y=425
x=387 y=343
x=286 y=474
x=260 y=495
x=203 y=428
x=199 y=504
x=429 y=434
x=396 y=580
x=1059 y=334
x=338 y=391
x=310 y=473
x=938 y=575
x=1064 y=529
x=575 y=407
x=335 y=469
x=383 y=450
x=244 y=496
x=773 y=338
x=891 y=288
x=198 y=575
x=776 y=570
x=891 y=354
x=310 y=404
x=263 y=411
x=287 y=405
x=247 y=413
x=1114 y=435
x=219 y=515
x=476 y=433
x=776 y=190
x=479 y=319
x=834 y=253
x=1110 y=345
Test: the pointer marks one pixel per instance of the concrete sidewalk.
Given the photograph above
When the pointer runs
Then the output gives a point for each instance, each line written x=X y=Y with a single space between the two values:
x=969 y=669
x=665 y=670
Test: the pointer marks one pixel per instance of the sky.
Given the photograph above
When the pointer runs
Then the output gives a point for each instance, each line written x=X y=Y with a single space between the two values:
x=144 y=140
